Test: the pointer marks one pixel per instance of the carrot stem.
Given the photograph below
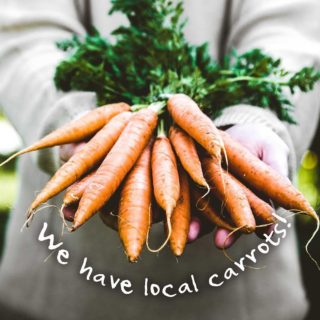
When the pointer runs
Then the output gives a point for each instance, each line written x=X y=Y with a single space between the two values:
x=158 y=106
x=138 y=107
x=161 y=132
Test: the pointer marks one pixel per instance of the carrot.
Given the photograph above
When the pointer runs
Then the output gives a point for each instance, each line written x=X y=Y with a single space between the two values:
x=117 y=164
x=135 y=206
x=186 y=113
x=77 y=130
x=263 y=178
x=186 y=151
x=266 y=180
x=181 y=216
x=260 y=208
x=205 y=208
x=231 y=194
x=165 y=178
x=82 y=161
x=76 y=190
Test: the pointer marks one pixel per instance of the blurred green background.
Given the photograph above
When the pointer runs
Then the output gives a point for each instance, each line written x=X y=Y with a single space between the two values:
x=308 y=182
x=9 y=143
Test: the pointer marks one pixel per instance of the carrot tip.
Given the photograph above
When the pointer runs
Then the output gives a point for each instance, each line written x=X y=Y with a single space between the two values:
x=248 y=229
x=76 y=225
x=30 y=214
x=11 y=158
x=178 y=252
x=316 y=217
x=133 y=259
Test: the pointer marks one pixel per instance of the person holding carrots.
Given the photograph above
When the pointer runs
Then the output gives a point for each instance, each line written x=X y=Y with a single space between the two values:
x=28 y=57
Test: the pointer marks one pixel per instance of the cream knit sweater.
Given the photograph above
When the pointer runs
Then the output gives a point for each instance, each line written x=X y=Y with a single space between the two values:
x=47 y=290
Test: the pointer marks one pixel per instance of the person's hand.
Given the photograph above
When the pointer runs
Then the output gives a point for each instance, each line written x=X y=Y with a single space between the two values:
x=68 y=150
x=268 y=147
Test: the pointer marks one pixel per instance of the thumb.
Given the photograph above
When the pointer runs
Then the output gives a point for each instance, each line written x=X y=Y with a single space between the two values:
x=68 y=150
x=276 y=156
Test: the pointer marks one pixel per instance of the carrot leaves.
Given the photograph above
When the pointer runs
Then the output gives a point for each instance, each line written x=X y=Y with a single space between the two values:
x=151 y=59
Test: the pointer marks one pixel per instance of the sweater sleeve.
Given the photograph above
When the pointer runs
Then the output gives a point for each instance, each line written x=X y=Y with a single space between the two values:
x=288 y=29
x=28 y=57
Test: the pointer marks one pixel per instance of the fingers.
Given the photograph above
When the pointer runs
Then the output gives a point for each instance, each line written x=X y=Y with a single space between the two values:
x=194 y=229
x=223 y=239
x=69 y=212
x=276 y=156
x=68 y=150
x=263 y=143
x=265 y=230
x=243 y=135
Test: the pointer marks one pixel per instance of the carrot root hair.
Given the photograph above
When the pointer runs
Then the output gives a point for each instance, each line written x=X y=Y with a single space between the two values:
x=314 y=233
x=208 y=189
x=165 y=241
x=224 y=250
x=31 y=213
x=264 y=225
x=17 y=154
x=64 y=222
x=310 y=240
x=205 y=205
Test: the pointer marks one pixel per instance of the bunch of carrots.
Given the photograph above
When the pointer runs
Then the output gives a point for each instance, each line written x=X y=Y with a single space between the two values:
x=129 y=160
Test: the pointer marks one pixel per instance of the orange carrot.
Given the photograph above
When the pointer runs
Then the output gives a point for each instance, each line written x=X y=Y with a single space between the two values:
x=232 y=196
x=260 y=208
x=264 y=179
x=76 y=190
x=77 y=130
x=181 y=216
x=267 y=181
x=165 y=179
x=205 y=207
x=186 y=151
x=82 y=161
x=117 y=164
x=186 y=113
x=135 y=206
